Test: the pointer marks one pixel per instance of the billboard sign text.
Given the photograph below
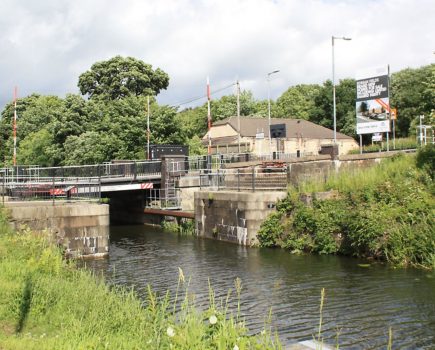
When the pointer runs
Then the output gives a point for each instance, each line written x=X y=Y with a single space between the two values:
x=372 y=101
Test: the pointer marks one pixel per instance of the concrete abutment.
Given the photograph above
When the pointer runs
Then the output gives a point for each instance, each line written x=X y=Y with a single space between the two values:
x=82 y=228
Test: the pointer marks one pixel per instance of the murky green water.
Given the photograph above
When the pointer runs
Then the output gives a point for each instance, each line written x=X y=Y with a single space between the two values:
x=361 y=302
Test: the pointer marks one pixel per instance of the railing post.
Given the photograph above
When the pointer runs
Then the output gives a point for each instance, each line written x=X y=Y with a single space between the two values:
x=3 y=189
x=134 y=171
x=53 y=191
x=253 y=179
x=99 y=187
x=238 y=180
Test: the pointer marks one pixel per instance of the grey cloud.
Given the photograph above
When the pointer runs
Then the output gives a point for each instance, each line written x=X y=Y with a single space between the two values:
x=46 y=44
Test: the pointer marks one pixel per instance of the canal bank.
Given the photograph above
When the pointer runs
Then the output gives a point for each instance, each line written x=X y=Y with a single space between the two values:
x=47 y=303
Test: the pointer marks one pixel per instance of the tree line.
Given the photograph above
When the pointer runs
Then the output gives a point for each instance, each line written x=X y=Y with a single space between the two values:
x=108 y=121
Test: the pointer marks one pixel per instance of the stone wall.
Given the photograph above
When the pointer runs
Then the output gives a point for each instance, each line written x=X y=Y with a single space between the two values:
x=233 y=216
x=82 y=228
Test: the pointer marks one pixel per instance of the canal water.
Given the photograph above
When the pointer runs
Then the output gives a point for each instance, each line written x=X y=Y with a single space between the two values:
x=361 y=302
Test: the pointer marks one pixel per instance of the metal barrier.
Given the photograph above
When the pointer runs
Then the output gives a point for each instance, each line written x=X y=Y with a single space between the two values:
x=251 y=179
x=55 y=189
x=161 y=199
x=106 y=170
x=197 y=164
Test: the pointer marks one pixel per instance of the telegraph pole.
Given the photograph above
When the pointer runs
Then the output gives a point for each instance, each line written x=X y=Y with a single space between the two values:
x=238 y=114
x=208 y=116
x=148 y=127
x=15 y=126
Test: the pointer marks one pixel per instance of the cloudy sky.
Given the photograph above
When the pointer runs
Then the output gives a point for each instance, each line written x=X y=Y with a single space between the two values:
x=46 y=44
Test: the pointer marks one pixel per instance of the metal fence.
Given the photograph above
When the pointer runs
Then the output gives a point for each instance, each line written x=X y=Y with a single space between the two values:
x=50 y=188
x=252 y=179
x=163 y=199
x=133 y=170
x=197 y=164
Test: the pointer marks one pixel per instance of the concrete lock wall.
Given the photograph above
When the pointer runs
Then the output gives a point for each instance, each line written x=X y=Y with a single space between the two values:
x=233 y=216
x=82 y=228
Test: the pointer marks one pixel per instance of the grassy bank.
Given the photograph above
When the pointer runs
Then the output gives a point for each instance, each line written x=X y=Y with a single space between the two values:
x=47 y=303
x=399 y=144
x=384 y=212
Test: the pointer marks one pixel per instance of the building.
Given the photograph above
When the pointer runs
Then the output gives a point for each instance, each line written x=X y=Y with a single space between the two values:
x=301 y=137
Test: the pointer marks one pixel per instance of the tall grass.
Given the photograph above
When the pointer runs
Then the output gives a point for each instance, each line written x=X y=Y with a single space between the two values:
x=384 y=212
x=354 y=179
x=47 y=303
x=399 y=144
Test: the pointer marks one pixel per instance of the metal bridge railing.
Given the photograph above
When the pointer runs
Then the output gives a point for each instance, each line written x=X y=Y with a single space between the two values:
x=132 y=170
x=196 y=164
x=27 y=188
x=252 y=179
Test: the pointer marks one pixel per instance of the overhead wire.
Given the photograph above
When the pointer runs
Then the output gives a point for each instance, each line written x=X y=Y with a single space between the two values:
x=193 y=99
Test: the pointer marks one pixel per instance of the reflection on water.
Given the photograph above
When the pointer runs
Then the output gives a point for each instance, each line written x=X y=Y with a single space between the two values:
x=361 y=302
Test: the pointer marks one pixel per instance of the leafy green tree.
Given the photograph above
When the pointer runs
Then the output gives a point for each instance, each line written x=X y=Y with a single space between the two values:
x=412 y=93
x=164 y=127
x=195 y=146
x=121 y=77
x=322 y=113
x=36 y=149
x=193 y=121
x=89 y=148
x=33 y=113
x=298 y=101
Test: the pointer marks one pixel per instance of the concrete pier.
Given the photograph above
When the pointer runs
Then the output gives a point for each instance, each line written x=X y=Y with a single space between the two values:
x=82 y=228
x=233 y=216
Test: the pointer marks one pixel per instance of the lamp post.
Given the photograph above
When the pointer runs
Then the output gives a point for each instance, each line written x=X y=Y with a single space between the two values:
x=421 y=130
x=268 y=105
x=333 y=86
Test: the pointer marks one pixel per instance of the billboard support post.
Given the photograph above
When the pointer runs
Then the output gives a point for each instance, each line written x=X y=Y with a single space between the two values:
x=389 y=112
x=360 y=144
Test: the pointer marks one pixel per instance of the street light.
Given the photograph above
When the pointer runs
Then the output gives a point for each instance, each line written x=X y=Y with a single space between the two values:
x=268 y=104
x=421 y=130
x=333 y=86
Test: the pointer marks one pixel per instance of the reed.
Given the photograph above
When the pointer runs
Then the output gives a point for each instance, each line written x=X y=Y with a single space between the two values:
x=47 y=303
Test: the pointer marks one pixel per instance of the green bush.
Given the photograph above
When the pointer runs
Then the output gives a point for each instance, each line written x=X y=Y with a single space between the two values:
x=384 y=212
x=426 y=159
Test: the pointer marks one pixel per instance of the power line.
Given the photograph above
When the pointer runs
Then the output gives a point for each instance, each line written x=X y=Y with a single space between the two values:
x=193 y=99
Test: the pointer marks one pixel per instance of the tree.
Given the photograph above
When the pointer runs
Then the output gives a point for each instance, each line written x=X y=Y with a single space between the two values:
x=34 y=113
x=120 y=77
x=298 y=101
x=89 y=148
x=164 y=127
x=36 y=149
x=412 y=94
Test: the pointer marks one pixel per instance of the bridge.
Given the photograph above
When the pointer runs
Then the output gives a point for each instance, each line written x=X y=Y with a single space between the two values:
x=158 y=180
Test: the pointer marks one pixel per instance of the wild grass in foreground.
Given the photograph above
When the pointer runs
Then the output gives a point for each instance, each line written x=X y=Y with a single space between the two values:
x=47 y=303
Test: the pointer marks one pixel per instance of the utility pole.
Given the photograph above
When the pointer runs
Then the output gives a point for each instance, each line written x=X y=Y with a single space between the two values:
x=15 y=126
x=334 y=117
x=238 y=114
x=421 y=130
x=268 y=107
x=148 y=128
x=208 y=116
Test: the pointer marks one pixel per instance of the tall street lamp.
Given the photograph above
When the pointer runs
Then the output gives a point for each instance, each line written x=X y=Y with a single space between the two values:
x=333 y=86
x=268 y=105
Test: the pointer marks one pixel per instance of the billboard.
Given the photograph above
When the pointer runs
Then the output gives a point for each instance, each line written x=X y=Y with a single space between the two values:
x=372 y=101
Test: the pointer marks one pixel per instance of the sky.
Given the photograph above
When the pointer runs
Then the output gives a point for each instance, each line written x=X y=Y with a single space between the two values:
x=46 y=44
